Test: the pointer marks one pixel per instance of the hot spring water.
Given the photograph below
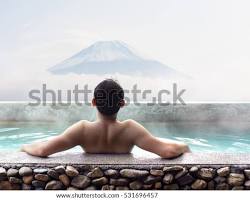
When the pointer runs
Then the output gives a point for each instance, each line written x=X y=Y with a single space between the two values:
x=205 y=127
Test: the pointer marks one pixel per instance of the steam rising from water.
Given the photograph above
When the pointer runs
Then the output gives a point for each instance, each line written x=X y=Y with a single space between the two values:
x=218 y=113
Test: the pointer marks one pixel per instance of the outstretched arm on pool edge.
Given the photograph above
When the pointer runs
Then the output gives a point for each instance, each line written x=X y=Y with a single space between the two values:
x=164 y=148
x=67 y=140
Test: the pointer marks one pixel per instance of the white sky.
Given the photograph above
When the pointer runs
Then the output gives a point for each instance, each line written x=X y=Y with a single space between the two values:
x=208 y=39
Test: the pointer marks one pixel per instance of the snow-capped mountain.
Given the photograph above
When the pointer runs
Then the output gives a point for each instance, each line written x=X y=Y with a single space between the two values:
x=109 y=57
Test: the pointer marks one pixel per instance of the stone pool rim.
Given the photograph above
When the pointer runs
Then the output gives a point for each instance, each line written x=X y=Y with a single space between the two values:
x=78 y=158
x=74 y=171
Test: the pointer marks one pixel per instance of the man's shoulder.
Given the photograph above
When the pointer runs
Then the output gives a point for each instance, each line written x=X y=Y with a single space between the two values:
x=130 y=123
x=82 y=123
x=133 y=128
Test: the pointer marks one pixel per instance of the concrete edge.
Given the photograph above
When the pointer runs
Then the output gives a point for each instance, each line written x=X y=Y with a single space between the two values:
x=126 y=159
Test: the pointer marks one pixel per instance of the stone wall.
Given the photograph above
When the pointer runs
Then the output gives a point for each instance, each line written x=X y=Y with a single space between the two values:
x=118 y=177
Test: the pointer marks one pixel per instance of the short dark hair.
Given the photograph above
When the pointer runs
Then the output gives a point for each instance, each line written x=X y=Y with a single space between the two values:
x=108 y=95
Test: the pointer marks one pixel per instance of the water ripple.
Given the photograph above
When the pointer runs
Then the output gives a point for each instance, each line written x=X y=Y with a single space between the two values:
x=2 y=130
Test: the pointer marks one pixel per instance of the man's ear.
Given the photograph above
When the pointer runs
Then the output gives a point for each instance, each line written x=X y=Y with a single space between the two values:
x=122 y=103
x=93 y=102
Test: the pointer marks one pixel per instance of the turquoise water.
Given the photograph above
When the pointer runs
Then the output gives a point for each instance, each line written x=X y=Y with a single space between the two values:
x=202 y=137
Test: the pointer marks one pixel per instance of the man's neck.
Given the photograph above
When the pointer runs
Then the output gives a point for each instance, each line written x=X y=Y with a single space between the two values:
x=102 y=117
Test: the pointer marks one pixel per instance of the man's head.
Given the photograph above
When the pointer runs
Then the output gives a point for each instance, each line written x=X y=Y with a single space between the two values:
x=108 y=97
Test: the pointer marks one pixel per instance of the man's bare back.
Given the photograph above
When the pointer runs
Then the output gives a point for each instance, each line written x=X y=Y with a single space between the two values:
x=107 y=134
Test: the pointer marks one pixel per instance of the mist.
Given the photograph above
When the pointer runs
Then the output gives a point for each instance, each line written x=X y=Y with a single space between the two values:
x=224 y=87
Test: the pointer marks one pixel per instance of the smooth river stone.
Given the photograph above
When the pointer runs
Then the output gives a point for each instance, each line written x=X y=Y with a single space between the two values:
x=28 y=179
x=247 y=173
x=194 y=170
x=220 y=179
x=42 y=177
x=199 y=185
x=40 y=171
x=80 y=181
x=211 y=185
x=95 y=173
x=185 y=180
x=174 y=168
x=181 y=173
x=236 y=179
x=156 y=172
x=119 y=181
x=158 y=185
x=224 y=171
x=133 y=173
x=25 y=171
x=12 y=172
x=206 y=173
x=15 y=180
x=112 y=173
x=71 y=171
x=168 y=178
x=64 y=179
x=54 y=185
x=60 y=169
x=52 y=173
x=3 y=172
x=135 y=185
x=247 y=185
x=152 y=179
x=100 y=181
x=38 y=184
x=6 y=185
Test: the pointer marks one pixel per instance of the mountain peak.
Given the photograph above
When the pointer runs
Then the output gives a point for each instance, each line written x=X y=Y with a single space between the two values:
x=108 y=42
x=107 y=51
x=108 y=57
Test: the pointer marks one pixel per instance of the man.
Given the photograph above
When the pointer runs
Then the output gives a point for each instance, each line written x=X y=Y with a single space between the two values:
x=107 y=134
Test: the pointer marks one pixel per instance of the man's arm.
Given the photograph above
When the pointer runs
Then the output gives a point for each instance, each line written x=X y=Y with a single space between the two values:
x=67 y=140
x=163 y=148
